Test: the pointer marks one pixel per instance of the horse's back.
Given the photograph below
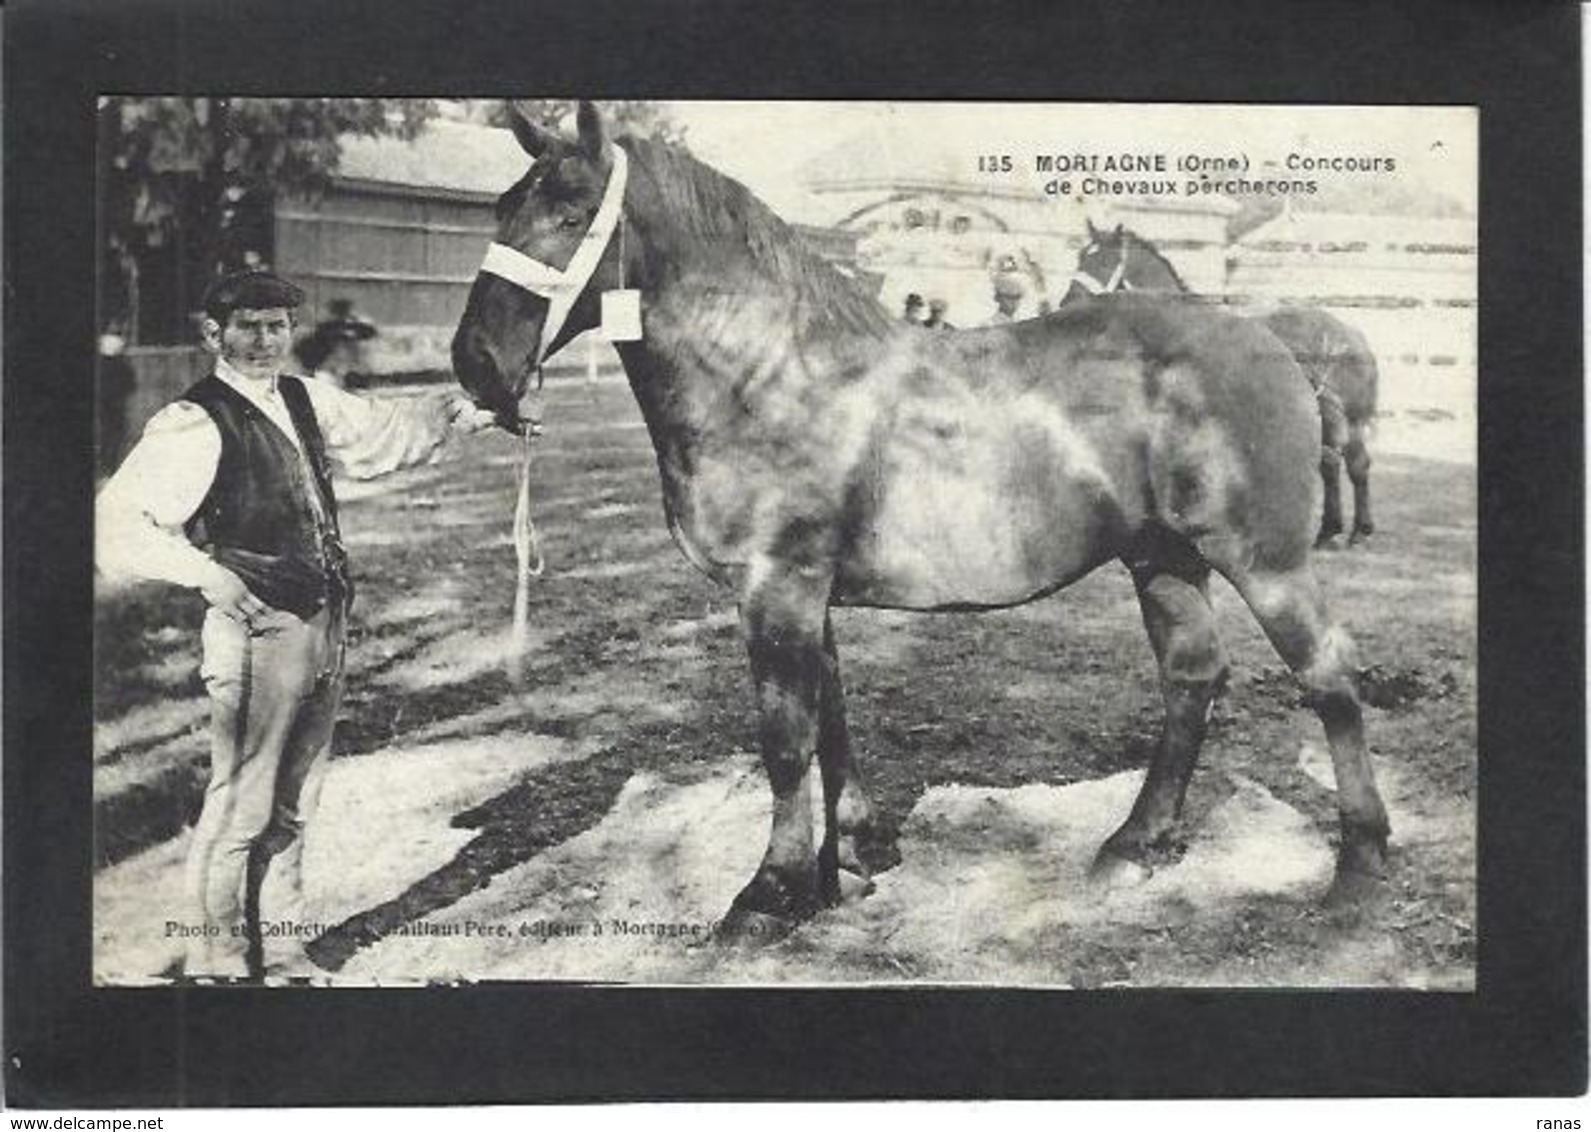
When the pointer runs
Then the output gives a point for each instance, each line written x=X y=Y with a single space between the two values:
x=1233 y=431
x=1332 y=354
x=988 y=481
x=1013 y=460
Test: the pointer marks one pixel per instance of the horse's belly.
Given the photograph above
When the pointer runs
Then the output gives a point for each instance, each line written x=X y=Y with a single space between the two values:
x=986 y=511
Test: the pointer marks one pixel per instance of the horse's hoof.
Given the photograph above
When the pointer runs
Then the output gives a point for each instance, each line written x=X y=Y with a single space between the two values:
x=854 y=886
x=1360 y=536
x=866 y=850
x=767 y=909
x=1111 y=871
x=1353 y=891
x=842 y=876
x=745 y=928
x=1329 y=542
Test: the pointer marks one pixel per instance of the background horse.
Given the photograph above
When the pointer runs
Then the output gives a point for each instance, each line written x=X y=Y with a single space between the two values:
x=814 y=452
x=1333 y=355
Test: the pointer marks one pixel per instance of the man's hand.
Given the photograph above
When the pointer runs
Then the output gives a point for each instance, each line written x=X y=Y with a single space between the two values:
x=227 y=594
x=467 y=418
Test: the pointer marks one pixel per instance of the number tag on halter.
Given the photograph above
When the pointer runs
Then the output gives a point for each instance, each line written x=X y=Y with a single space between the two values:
x=621 y=316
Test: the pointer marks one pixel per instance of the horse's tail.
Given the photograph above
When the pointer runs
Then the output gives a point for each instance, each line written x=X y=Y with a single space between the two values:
x=1359 y=378
x=1233 y=445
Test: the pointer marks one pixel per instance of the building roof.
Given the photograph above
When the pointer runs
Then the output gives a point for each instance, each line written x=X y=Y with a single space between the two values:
x=1339 y=228
x=894 y=155
x=451 y=156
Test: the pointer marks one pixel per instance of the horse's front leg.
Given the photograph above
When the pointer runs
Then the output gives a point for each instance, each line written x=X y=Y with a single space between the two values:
x=782 y=615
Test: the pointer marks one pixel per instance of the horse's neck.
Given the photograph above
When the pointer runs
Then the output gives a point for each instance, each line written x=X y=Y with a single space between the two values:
x=738 y=324
x=720 y=353
x=654 y=380
x=706 y=355
x=1162 y=280
x=723 y=330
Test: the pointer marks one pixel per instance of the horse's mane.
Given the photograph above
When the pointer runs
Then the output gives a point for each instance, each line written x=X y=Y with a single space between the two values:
x=1159 y=257
x=711 y=208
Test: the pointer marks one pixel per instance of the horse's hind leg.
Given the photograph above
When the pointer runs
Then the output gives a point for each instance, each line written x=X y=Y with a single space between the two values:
x=782 y=613
x=1331 y=509
x=1173 y=594
x=1357 y=458
x=848 y=814
x=1291 y=610
x=1333 y=440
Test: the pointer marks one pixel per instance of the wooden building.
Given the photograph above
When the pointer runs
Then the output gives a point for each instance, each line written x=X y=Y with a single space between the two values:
x=400 y=234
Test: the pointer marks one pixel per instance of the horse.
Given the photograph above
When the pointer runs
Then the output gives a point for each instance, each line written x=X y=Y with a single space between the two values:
x=814 y=452
x=1334 y=356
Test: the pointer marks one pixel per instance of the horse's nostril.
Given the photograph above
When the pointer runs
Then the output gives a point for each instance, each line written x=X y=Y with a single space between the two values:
x=467 y=345
x=473 y=361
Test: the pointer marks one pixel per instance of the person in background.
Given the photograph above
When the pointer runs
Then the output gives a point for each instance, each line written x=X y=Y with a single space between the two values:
x=335 y=348
x=936 y=315
x=229 y=492
x=1008 y=292
x=913 y=312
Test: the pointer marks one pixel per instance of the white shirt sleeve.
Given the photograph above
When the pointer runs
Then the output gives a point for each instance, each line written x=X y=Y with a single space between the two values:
x=140 y=512
x=368 y=437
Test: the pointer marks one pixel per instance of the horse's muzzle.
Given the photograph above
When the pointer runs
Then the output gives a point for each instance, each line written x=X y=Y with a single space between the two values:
x=479 y=372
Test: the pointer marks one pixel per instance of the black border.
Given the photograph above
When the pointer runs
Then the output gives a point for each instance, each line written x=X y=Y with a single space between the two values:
x=1522 y=1033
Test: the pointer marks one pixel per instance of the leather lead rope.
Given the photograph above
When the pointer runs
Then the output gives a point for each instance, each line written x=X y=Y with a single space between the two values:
x=527 y=546
x=527 y=553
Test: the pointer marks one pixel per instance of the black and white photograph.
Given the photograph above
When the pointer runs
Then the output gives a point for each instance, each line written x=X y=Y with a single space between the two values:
x=602 y=554
x=797 y=543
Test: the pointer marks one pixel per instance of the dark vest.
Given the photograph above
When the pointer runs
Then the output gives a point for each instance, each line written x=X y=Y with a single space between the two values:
x=264 y=518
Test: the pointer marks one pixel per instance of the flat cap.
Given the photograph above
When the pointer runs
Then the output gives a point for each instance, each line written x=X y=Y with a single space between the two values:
x=249 y=290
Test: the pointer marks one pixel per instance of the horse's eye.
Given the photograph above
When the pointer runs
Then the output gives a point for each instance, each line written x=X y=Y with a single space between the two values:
x=570 y=222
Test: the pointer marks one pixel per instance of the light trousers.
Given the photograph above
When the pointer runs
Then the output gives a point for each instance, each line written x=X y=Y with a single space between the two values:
x=274 y=689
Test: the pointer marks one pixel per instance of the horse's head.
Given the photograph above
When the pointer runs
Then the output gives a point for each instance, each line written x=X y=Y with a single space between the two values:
x=1102 y=265
x=1119 y=260
x=554 y=252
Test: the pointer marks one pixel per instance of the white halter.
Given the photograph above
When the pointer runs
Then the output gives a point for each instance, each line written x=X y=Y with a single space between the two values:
x=1115 y=283
x=1117 y=280
x=562 y=288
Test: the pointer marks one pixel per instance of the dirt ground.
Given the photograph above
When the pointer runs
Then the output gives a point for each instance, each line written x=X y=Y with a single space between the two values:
x=593 y=822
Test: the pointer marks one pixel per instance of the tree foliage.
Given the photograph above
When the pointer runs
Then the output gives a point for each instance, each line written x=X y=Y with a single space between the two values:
x=626 y=116
x=186 y=183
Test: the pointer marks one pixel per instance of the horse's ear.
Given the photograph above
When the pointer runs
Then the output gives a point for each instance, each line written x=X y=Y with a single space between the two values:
x=593 y=135
x=533 y=139
x=1093 y=232
x=1121 y=229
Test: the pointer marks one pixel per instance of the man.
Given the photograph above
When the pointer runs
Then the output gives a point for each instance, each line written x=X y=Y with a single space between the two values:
x=229 y=492
x=913 y=312
x=334 y=350
x=1008 y=291
x=937 y=309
